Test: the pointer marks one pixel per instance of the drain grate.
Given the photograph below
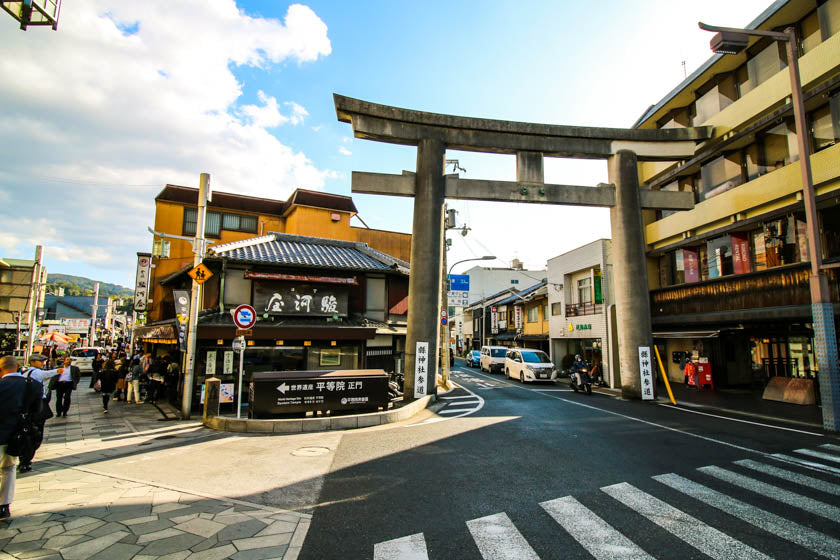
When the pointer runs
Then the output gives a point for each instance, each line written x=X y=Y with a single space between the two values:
x=310 y=451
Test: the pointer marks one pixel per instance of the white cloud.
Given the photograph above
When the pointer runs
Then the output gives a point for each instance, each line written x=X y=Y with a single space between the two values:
x=142 y=93
x=344 y=151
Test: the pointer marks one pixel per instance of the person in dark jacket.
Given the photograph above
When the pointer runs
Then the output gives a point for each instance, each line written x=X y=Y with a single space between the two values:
x=64 y=385
x=14 y=399
x=107 y=383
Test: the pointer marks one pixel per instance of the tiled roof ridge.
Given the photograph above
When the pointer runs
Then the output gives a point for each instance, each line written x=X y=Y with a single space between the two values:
x=242 y=243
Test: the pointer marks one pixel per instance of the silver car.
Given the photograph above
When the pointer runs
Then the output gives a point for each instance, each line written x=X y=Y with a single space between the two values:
x=83 y=357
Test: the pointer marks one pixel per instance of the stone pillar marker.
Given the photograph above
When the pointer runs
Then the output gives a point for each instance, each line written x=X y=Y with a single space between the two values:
x=212 y=392
x=424 y=289
x=630 y=286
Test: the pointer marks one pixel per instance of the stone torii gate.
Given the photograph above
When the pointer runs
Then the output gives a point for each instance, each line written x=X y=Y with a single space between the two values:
x=434 y=133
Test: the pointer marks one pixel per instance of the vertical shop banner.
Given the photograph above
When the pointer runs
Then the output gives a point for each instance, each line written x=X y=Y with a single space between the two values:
x=692 y=270
x=141 y=282
x=228 y=363
x=646 y=369
x=517 y=316
x=182 y=313
x=802 y=241
x=421 y=369
x=211 y=362
x=494 y=321
x=741 y=253
x=599 y=297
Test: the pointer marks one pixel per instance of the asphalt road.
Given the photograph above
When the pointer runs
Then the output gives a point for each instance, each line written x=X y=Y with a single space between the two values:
x=536 y=471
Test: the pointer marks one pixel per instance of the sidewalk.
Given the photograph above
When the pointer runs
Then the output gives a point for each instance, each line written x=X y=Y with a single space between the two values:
x=65 y=509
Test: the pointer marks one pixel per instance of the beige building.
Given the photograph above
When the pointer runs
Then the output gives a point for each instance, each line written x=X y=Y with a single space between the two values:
x=15 y=289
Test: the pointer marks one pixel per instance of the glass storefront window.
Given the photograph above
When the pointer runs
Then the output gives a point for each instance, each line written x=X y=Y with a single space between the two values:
x=332 y=357
x=720 y=256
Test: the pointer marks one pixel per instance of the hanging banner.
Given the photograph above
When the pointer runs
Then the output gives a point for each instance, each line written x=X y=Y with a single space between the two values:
x=494 y=321
x=228 y=362
x=741 y=253
x=802 y=241
x=211 y=363
x=182 y=313
x=599 y=297
x=692 y=270
x=141 y=282
x=517 y=316
x=421 y=369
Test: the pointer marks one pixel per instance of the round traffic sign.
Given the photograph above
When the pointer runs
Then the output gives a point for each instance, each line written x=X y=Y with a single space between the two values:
x=443 y=313
x=244 y=316
x=443 y=320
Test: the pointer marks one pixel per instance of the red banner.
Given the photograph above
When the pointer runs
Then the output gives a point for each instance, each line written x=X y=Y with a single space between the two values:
x=692 y=270
x=741 y=253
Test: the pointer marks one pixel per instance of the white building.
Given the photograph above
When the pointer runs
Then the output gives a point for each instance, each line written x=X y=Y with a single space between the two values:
x=582 y=310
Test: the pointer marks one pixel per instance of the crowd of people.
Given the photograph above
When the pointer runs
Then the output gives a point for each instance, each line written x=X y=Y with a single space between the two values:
x=26 y=394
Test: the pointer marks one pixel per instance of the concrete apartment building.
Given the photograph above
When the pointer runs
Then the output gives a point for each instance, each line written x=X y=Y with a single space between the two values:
x=580 y=301
x=730 y=278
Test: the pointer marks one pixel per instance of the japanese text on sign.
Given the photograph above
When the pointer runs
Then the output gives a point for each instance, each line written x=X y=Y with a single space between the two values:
x=421 y=369
x=646 y=369
x=279 y=299
x=141 y=283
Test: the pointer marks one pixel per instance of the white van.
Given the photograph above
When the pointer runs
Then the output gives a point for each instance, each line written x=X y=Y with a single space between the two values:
x=493 y=358
x=527 y=364
x=83 y=357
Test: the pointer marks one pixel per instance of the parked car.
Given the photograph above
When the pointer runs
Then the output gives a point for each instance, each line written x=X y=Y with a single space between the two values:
x=83 y=357
x=493 y=359
x=527 y=364
x=473 y=358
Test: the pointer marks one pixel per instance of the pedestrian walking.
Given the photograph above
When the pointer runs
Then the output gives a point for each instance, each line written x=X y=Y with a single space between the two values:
x=132 y=381
x=97 y=367
x=35 y=371
x=15 y=401
x=156 y=380
x=122 y=371
x=64 y=384
x=107 y=383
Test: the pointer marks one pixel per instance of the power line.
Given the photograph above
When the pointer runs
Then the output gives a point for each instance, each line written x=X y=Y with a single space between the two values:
x=86 y=182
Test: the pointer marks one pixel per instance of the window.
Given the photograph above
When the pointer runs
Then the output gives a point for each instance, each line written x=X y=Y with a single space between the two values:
x=545 y=312
x=720 y=256
x=6 y=277
x=720 y=174
x=829 y=14
x=762 y=66
x=236 y=222
x=825 y=124
x=556 y=309
x=809 y=32
x=514 y=281
x=190 y=219
x=5 y=302
x=533 y=314
x=585 y=290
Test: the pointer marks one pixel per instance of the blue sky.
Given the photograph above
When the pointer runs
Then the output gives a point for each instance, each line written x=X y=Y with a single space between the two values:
x=126 y=97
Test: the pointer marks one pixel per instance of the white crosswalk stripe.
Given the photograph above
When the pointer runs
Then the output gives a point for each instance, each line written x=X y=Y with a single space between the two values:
x=804 y=463
x=593 y=533
x=774 y=492
x=772 y=523
x=704 y=538
x=497 y=538
x=819 y=455
x=791 y=476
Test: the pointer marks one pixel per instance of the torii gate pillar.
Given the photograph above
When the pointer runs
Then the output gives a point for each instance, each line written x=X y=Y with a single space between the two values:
x=632 y=298
x=424 y=287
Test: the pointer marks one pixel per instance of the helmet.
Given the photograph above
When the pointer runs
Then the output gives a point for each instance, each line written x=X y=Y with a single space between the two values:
x=577 y=357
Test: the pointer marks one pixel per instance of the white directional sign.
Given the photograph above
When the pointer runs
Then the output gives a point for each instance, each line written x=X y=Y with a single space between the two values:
x=458 y=298
x=421 y=369
x=646 y=368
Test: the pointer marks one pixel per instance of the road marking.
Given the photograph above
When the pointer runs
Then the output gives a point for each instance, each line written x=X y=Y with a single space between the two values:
x=804 y=463
x=831 y=446
x=455 y=410
x=454 y=398
x=704 y=538
x=818 y=455
x=790 y=476
x=593 y=533
x=775 y=493
x=498 y=539
x=412 y=547
x=740 y=420
x=770 y=522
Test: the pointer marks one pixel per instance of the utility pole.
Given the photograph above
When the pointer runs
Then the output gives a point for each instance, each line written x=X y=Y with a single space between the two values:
x=198 y=250
x=93 y=311
x=32 y=305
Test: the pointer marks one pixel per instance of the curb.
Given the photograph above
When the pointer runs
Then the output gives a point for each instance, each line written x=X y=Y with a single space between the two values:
x=321 y=424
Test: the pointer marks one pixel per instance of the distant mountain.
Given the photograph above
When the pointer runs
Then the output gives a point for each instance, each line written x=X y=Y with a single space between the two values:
x=81 y=286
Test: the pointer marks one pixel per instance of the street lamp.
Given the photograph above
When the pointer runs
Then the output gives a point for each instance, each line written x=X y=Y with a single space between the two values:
x=729 y=40
x=445 y=341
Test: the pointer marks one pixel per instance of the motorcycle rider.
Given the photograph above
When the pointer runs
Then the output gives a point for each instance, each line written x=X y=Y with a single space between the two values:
x=580 y=370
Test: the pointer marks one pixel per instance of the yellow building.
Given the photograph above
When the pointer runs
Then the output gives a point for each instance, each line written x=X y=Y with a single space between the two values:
x=729 y=279
x=233 y=217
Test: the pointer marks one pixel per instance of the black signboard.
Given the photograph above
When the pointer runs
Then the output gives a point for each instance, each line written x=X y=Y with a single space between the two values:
x=283 y=298
x=285 y=392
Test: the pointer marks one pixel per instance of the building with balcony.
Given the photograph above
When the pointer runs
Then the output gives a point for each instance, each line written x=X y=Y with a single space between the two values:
x=580 y=300
x=730 y=278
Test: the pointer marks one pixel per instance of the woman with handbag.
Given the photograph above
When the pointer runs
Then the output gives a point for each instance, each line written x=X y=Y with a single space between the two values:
x=107 y=383
x=20 y=402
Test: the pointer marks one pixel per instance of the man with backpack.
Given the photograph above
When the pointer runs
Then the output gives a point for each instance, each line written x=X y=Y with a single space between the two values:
x=36 y=362
x=20 y=400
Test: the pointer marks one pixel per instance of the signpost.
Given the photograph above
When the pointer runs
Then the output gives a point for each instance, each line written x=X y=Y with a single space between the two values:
x=645 y=365
x=244 y=317
x=200 y=273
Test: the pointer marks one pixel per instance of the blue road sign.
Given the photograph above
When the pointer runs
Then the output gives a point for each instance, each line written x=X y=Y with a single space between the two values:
x=459 y=283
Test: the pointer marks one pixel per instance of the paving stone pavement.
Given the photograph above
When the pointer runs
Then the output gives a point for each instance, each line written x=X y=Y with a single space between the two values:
x=67 y=510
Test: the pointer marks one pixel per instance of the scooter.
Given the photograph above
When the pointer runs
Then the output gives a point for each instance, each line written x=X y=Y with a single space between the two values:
x=585 y=384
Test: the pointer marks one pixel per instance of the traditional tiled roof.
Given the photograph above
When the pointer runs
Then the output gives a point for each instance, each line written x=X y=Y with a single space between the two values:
x=299 y=250
x=525 y=293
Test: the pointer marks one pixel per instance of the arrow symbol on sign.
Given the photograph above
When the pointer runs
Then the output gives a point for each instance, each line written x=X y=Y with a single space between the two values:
x=282 y=388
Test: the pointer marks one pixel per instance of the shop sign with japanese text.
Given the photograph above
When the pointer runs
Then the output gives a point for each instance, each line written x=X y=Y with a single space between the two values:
x=141 y=283
x=646 y=369
x=276 y=298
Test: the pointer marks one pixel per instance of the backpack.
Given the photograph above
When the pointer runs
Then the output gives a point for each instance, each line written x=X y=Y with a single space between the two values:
x=23 y=442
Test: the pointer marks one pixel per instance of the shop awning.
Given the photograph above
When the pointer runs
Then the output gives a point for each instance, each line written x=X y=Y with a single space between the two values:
x=686 y=334
x=165 y=333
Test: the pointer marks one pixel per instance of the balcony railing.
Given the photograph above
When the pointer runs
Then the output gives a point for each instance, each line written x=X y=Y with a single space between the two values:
x=776 y=287
x=578 y=309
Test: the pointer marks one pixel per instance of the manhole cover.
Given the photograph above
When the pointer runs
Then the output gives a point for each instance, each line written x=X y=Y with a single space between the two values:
x=310 y=451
